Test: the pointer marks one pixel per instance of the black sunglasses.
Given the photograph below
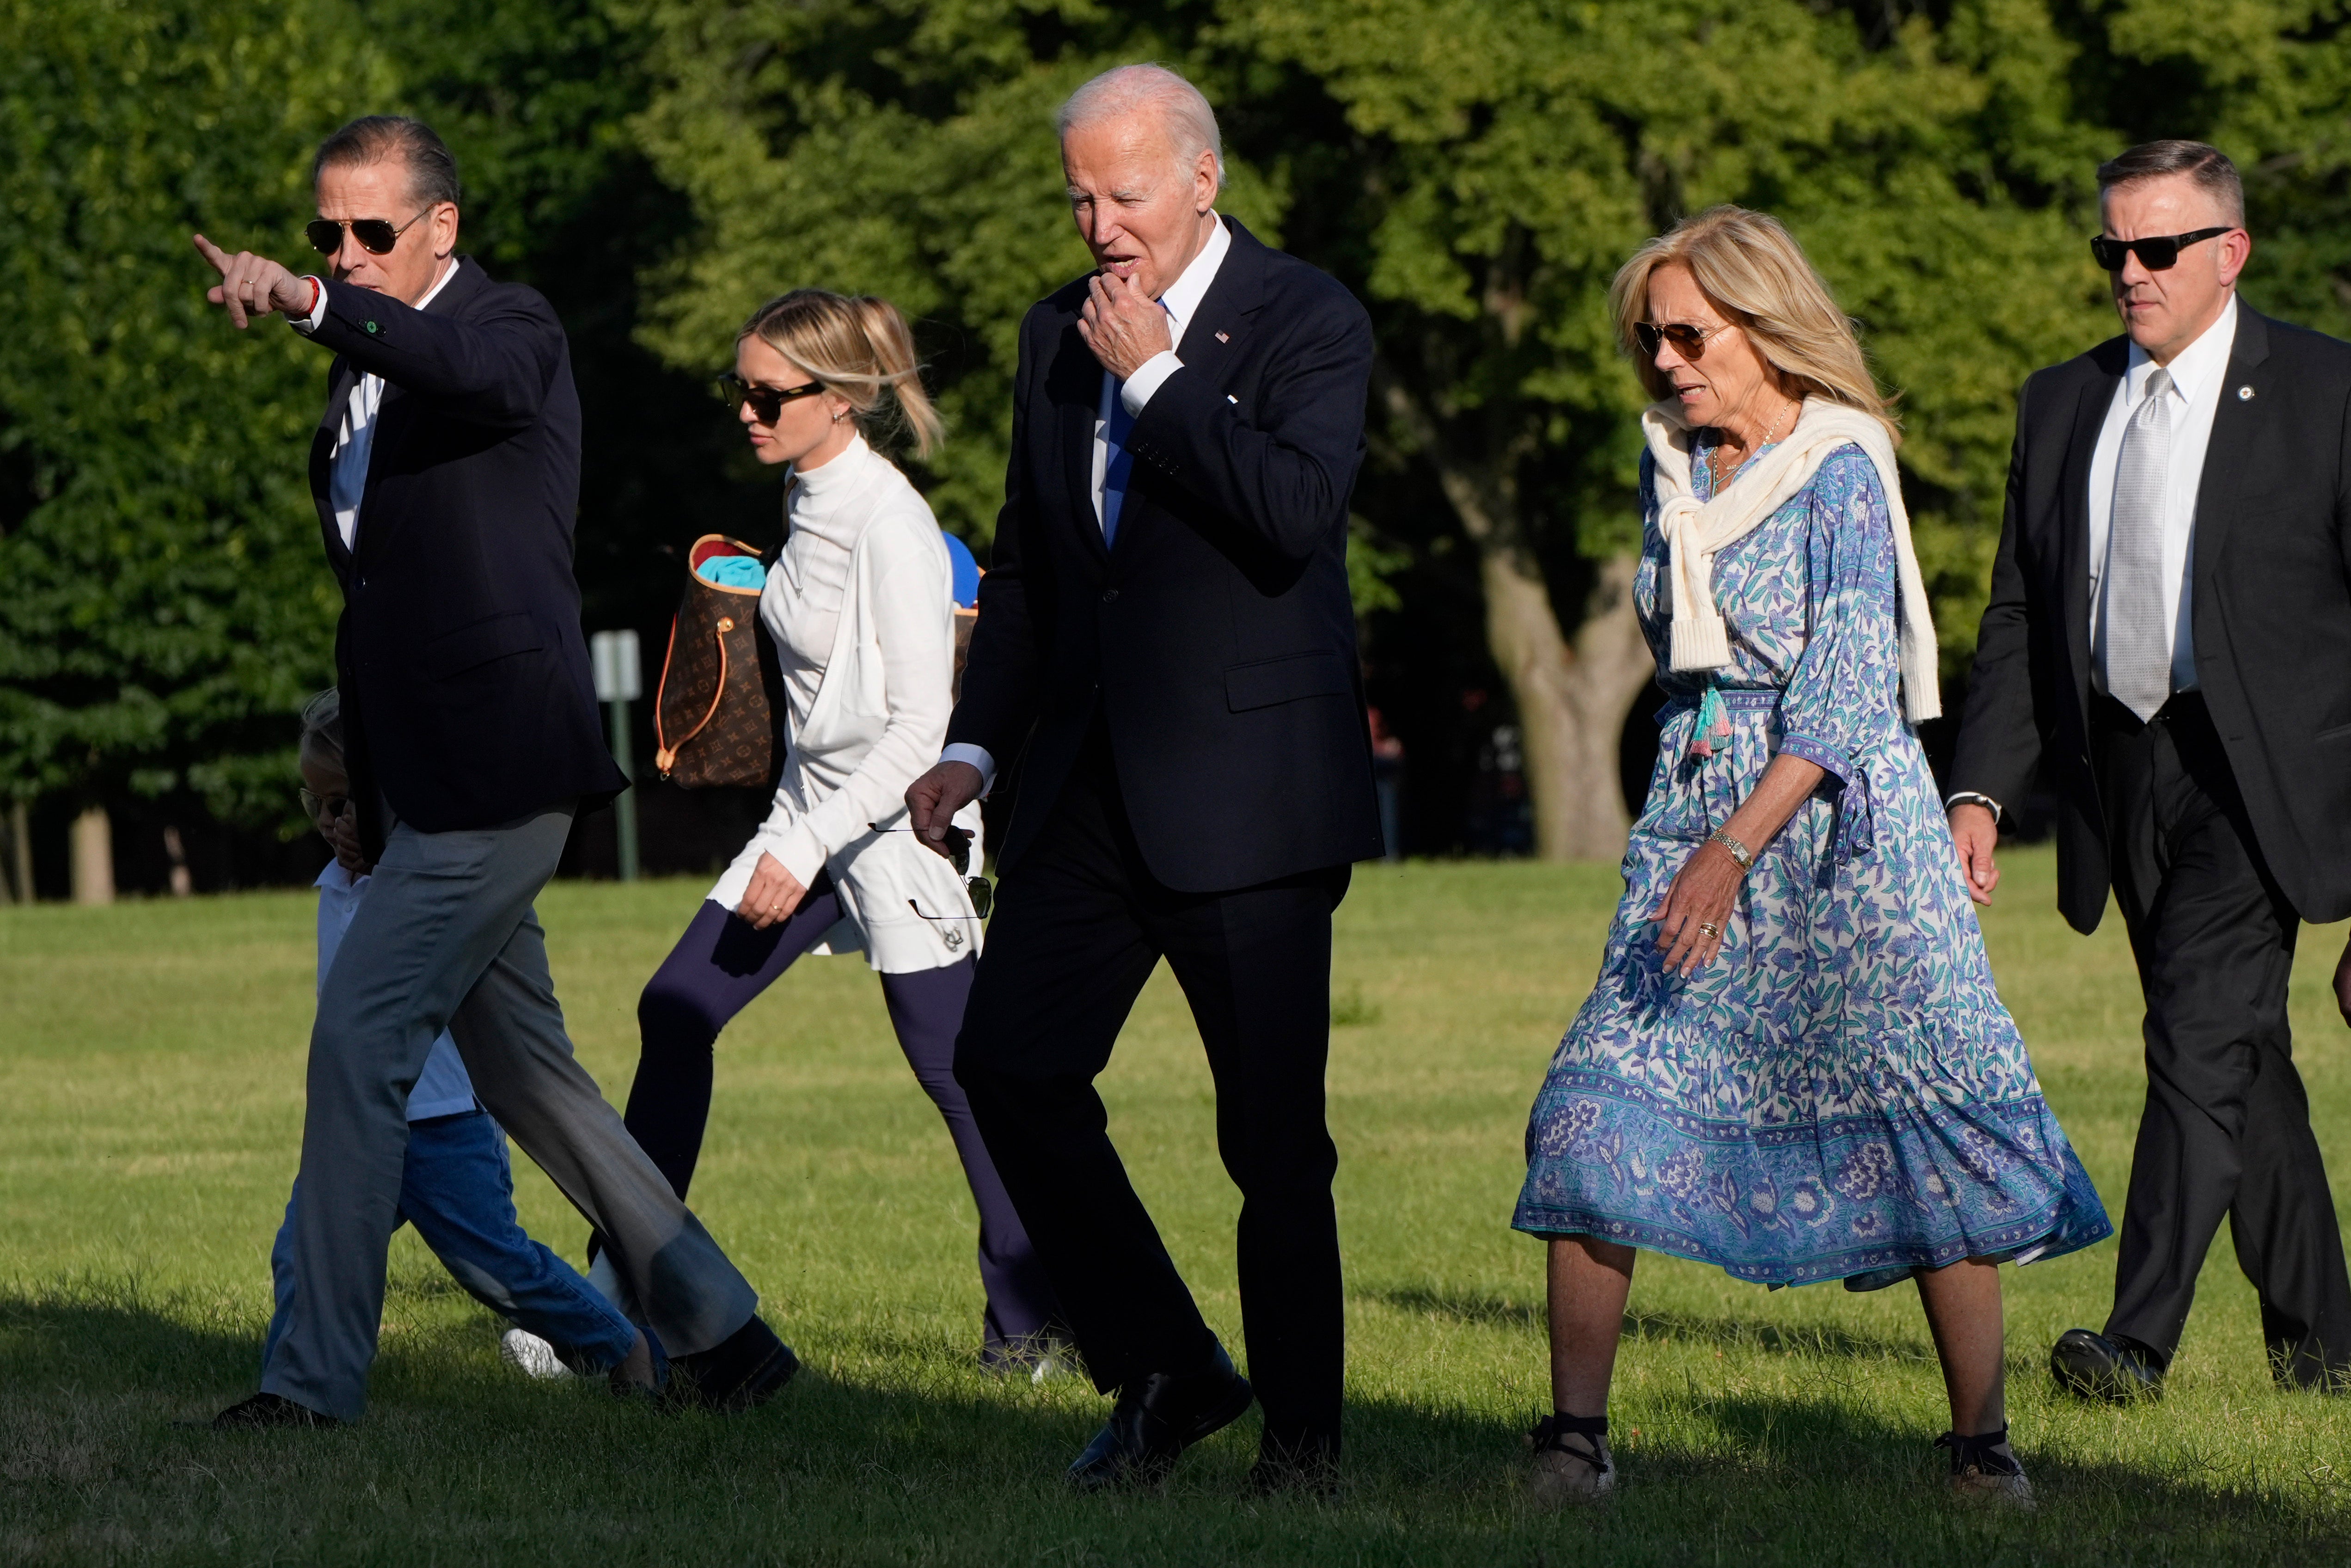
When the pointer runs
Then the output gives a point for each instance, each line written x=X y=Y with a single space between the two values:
x=1688 y=340
x=983 y=896
x=376 y=235
x=766 y=403
x=2157 y=253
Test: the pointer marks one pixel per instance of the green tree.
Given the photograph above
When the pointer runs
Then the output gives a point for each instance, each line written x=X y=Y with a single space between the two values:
x=1506 y=155
x=166 y=608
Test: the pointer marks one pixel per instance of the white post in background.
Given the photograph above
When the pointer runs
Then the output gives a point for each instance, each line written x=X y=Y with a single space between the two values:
x=619 y=681
x=93 y=857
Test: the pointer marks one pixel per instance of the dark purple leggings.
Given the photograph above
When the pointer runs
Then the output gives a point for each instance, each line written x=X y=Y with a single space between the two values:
x=715 y=971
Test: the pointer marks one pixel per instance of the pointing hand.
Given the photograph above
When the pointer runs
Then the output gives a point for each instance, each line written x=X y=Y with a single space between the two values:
x=252 y=285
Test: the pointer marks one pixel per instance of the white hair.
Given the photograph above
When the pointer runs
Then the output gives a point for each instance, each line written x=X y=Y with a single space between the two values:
x=1190 y=123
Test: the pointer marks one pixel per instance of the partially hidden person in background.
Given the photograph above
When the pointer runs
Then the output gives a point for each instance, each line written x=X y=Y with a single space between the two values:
x=446 y=474
x=860 y=606
x=1794 y=1063
x=456 y=1184
x=2168 y=646
x=1166 y=645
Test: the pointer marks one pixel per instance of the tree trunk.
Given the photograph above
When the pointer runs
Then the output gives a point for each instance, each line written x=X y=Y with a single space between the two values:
x=20 y=833
x=1571 y=694
x=1571 y=697
x=93 y=857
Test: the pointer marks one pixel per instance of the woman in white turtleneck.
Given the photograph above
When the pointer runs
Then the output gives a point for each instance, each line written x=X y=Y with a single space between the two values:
x=860 y=609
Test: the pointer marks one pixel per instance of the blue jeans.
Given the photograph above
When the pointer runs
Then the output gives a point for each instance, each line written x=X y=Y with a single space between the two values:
x=458 y=1189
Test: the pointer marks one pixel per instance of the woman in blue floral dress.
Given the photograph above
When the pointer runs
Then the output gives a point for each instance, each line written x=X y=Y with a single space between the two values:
x=1794 y=1063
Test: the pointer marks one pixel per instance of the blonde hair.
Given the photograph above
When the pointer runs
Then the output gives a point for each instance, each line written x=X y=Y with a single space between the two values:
x=322 y=722
x=861 y=350
x=1751 y=269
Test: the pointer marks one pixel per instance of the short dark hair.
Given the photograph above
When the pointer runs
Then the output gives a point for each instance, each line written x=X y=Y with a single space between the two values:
x=372 y=138
x=2200 y=161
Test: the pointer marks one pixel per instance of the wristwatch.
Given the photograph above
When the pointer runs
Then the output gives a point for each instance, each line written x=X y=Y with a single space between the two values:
x=1970 y=797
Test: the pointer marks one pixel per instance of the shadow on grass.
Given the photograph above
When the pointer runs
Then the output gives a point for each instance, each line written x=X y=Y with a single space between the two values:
x=1821 y=1339
x=909 y=1455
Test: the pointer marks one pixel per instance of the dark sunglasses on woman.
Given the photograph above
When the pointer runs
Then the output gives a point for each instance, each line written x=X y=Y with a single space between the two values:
x=1688 y=340
x=376 y=235
x=766 y=403
x=2157 y=253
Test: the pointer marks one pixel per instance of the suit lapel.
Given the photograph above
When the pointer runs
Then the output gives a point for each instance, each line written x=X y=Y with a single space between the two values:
x=1077 y=391
x=2073 y=510
x=339 y=381
x=1219 y=331
x=2226 y=454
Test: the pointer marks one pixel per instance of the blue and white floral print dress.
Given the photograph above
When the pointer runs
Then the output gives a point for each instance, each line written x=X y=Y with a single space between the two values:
x=1840 y=1094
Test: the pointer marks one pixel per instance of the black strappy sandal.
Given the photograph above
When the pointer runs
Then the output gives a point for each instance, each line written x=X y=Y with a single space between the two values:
x=1571 y=1462
x=1985 y=1467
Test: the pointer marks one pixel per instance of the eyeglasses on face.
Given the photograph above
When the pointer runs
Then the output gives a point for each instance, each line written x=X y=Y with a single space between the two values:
x=766 y=403
x=376 y=235
x=2157 y=253
x=1688 y=340
x=324 y=805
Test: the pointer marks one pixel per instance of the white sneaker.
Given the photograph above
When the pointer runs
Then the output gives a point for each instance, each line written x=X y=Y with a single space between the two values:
x=531 y=1356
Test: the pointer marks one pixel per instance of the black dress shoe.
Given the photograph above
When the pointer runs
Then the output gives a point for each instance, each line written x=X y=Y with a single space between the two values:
x=265 y=1411
x=747 y=1368
x=1155 y=1420
x=2097 y=1368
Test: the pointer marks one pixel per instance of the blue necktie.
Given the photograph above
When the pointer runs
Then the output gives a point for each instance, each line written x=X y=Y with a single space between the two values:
x=1121 y=462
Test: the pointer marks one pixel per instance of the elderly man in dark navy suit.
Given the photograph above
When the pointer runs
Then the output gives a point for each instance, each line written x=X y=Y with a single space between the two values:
x=446 y=472
x=1167 y=644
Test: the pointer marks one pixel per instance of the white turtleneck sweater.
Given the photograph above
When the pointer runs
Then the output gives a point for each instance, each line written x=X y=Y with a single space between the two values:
x=861 y=607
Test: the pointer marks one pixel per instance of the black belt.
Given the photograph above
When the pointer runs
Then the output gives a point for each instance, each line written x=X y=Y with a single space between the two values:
x=2184 y=707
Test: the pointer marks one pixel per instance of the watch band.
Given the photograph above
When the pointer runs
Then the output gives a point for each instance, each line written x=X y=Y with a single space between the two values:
x=1970 y=797
x=1739 y=851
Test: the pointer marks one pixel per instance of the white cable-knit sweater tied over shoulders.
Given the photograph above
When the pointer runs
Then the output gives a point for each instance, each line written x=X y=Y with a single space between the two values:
x=860 y=605
x=1696 y=532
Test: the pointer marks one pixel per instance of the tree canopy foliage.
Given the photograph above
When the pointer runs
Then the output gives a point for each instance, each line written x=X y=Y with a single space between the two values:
x=1474 y=169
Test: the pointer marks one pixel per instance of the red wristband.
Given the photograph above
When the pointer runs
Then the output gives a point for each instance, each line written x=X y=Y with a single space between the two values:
x=316 y=288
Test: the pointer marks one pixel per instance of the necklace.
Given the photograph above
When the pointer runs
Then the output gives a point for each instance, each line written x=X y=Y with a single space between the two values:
x=1714 y=457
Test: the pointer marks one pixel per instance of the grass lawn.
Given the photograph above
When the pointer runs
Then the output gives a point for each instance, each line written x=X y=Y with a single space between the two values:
x=150 y=1070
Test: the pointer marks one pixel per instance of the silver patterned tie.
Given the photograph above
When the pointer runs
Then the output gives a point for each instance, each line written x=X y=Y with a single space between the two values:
x=2139 y=647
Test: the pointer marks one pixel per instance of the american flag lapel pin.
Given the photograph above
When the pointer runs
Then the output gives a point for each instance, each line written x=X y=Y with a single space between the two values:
x=1224 y=337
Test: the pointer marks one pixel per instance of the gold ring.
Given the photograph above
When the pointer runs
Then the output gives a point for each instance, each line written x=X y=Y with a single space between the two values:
x=1710 y=930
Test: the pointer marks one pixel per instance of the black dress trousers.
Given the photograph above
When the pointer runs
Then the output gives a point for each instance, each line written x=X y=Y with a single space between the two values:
x=1080 y=924
x=2227 y=1126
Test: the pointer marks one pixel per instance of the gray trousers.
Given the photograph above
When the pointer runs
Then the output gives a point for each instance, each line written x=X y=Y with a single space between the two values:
x=446 y=937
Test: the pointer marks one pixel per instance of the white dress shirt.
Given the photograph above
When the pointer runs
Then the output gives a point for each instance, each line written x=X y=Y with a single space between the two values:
x=1182 y=302
x=347 y=464
x=2197 y=377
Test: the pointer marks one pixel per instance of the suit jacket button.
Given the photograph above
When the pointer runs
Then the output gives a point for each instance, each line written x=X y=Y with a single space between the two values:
x=1109 y=594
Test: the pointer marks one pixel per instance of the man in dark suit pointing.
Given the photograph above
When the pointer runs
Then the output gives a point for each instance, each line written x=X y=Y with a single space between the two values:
x=2168 y=647
x=1166 y=643
x=446 y=473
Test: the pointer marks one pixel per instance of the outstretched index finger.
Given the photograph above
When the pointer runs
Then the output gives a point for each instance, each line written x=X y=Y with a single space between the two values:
x=211 y=253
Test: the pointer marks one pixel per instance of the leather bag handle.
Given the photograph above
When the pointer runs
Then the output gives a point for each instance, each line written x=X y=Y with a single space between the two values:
x=665 y=754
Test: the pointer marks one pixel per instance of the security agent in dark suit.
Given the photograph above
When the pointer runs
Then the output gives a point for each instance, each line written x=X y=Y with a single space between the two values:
x=2168 y=647
x=1165 y=640
x=448 y=471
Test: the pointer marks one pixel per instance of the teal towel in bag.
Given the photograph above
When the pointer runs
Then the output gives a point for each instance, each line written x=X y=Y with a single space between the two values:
x=731 y=571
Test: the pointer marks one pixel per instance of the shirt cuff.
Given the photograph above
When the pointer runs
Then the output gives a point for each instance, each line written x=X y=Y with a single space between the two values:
x=1147 y=379
x=977 y=756
x=1970 y=797
x=310 y=323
